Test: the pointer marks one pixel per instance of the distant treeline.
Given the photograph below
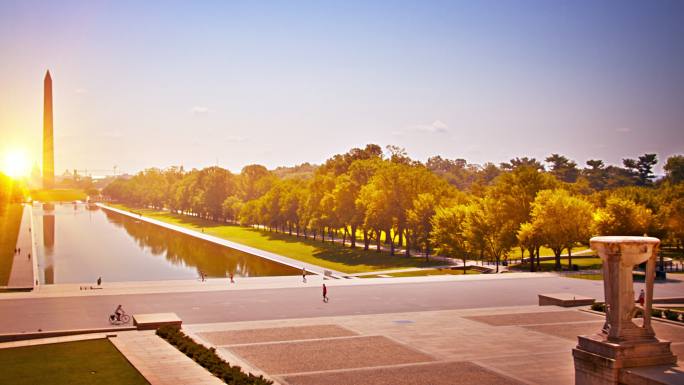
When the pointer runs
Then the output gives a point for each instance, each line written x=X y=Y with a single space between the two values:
x=11 y=191
x=370 y=198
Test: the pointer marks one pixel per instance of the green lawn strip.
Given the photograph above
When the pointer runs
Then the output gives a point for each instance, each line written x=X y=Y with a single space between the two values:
x=543 y=251
x=591 y=277
x=672 y=252
x=326 y=255
x=68 y=363
x=584 y=263
x=58 y=195
x=426 y=272
x=10 y=221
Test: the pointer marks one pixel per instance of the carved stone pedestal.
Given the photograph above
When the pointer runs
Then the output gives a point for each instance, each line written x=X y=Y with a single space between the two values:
x=598 y=361
x=622 y=343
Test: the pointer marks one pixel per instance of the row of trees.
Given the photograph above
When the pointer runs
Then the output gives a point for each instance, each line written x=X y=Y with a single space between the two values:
x=387 y=200
x=11 y=191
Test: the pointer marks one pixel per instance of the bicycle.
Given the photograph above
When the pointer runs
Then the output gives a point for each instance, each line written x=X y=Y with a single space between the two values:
x=123 y=319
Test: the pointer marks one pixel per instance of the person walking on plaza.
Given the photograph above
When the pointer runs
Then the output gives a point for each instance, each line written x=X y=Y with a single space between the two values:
x=99 y=281
x=304 y=274
x=231 y=277
x=641 y=297
x=325 y=293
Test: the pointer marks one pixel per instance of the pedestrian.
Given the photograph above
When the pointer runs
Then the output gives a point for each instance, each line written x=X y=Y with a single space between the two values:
x=325 y=293
x=231 y=277
x=99 y=281
x=304 y=274
x=29 y=256
x=19 y=250
x=201 y=275
x=641 y=297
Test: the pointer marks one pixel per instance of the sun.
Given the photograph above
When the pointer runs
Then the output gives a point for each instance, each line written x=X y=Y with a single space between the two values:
x=16 y=164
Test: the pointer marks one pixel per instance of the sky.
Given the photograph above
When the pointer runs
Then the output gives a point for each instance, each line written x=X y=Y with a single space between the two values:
x=154 y=84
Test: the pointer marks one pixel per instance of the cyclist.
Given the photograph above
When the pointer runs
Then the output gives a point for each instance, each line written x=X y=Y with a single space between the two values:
x=119 y=312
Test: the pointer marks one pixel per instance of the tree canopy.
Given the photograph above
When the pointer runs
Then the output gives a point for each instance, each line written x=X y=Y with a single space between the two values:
x=386 y=200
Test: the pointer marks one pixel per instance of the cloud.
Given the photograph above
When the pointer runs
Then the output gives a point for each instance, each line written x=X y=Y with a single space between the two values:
x=199 y=110
x=623 y=130
x=436 y=127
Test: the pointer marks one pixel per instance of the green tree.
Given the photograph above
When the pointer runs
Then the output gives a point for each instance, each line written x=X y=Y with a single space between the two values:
x=515 y=191
x=642 y=168
x=530 y=239
x=563 y=168
x=674 y=168
x=672 y=212
x=451 y=231
x=420 y=221
x=232 y=206
x=622 y=216
x=596 y=174
x=214 y=185
x=491 y=227
x=561 y=220
x=255 y=181
x=522 y=162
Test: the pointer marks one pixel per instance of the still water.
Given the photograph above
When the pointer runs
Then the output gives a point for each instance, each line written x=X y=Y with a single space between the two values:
x=77 y=243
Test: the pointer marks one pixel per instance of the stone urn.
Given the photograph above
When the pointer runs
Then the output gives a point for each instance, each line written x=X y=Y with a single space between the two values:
x=622 y=343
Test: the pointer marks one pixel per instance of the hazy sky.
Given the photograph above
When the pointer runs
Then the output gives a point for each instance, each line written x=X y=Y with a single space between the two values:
x=161 y=83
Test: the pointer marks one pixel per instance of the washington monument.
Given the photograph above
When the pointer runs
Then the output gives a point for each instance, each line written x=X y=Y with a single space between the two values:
x=48 y=146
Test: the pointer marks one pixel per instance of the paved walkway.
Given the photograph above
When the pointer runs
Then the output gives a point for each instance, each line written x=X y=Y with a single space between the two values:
x=247 y=249
x=244 y=283
x=510 y=345
x=22 y=312
x=21 y=275
x=160 y=362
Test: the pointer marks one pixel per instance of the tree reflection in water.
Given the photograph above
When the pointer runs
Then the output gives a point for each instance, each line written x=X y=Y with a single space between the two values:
x=181 y=249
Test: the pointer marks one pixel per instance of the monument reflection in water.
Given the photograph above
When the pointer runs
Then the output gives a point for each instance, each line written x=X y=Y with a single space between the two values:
x=48 y=243
x=80 y=244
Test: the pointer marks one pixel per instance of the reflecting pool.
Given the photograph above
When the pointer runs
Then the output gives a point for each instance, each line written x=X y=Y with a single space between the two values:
x=77 y=243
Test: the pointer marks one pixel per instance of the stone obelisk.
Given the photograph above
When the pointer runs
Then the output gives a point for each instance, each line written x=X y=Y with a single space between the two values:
x=48 y=145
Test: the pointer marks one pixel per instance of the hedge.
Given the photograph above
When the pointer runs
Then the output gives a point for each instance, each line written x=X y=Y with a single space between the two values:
x=655 y=313
x=208 y=358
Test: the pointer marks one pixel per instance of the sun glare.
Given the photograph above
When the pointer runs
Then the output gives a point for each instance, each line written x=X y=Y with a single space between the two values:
x=16 y=164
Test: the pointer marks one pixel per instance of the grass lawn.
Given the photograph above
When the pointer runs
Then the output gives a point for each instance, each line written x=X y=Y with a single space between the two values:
x=58 y=195
x=68 y=363
x=672 y=253
x=422 y=273
x=589 y=276
x=543 y=251
x=584 y=263
x=326 y=255
x=10 y=220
